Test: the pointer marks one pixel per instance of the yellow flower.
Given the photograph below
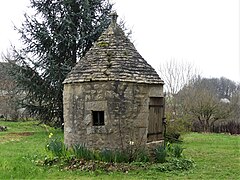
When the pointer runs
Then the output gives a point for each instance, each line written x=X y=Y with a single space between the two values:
x=50 y=135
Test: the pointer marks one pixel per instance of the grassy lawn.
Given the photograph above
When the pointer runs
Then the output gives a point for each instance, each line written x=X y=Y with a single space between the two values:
x=217 y=156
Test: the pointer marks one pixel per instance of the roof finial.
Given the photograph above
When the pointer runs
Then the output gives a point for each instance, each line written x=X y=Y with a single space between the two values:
x=114 y=17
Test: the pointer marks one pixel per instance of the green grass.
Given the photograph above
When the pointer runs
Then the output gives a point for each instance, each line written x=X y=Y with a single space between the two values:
x=217 y=156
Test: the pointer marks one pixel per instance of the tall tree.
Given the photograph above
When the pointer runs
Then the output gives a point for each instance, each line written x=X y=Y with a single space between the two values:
x=176 y=75
x=209 y=100
x=54 y=39
x=222 y=87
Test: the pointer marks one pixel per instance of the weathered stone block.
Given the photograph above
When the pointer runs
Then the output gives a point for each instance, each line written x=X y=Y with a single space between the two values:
x=156 y=91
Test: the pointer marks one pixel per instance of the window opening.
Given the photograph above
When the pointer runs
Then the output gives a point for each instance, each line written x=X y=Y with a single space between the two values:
x=98 y=118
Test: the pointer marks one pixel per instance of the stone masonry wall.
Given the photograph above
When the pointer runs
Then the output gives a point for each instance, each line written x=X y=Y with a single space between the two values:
x=125 y=107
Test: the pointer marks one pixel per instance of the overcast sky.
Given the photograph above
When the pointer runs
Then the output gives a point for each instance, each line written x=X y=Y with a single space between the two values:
x=203 y=32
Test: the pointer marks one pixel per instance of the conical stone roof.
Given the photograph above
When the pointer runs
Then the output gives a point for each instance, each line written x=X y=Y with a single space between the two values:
x=113 y=58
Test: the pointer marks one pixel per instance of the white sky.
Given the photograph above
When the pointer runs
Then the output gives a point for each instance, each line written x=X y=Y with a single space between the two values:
x=203 y=32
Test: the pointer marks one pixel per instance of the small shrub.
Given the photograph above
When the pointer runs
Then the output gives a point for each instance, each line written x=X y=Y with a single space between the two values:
x=181 y=164
x=177 y=125
x=117 y=156
x=176 y=164
x=161 y=154
x=107 y=155
x=57 y=147
x=141 y=155
x=176 y=150
x=81 y=152
x=124 y=156
x=121 y=157
x=173 y=137
x=232 y=127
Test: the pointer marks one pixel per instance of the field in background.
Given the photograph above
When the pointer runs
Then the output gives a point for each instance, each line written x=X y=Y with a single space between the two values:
x=217 y=156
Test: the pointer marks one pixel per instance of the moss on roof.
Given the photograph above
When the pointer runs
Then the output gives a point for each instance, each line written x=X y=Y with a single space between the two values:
x=113 y=57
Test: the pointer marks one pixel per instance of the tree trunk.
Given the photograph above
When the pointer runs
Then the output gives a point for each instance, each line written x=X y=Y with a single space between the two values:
x=206 y=126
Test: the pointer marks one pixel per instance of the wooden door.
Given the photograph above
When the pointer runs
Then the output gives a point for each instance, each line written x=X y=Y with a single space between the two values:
x=156 y=112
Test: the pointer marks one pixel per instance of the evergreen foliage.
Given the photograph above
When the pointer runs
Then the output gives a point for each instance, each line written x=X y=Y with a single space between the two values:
x=54 y=39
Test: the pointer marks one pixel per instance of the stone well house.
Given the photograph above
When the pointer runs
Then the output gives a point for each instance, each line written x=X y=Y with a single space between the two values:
x=112 y=96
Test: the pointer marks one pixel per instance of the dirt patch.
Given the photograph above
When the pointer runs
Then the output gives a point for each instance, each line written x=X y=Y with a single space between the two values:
x=14 y=136
x=21 y=133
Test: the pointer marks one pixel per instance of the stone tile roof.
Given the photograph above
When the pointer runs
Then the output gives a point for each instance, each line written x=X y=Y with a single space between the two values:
x=113 y=57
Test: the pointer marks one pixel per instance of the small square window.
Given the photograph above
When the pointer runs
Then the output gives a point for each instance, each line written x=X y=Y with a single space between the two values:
x=98 y=118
